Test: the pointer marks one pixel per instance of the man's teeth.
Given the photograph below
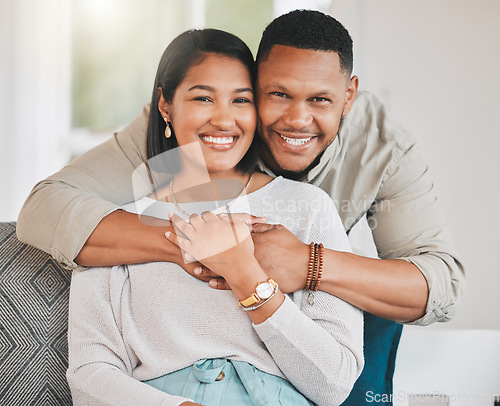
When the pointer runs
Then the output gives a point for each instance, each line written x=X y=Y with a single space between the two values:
x=295 y=141
x=217 y=140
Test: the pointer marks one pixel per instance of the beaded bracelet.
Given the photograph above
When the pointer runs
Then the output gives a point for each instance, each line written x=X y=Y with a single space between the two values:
x=317 y=280
x=315 y=269
x=310 y=266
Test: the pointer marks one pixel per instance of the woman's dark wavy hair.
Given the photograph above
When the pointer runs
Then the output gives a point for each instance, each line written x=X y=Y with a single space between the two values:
x=189 y=49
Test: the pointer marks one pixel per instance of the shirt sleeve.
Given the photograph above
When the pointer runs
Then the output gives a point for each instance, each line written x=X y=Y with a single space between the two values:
x=63 y=210
x=406 y=223
x=318 y=346
x=100 y=367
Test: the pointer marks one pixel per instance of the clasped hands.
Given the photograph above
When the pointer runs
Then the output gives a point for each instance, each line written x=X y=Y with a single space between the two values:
x=216 y=242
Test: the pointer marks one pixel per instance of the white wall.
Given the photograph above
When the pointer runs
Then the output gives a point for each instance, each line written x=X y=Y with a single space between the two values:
x=460 y=364
x=35 y=104
x=435 y=64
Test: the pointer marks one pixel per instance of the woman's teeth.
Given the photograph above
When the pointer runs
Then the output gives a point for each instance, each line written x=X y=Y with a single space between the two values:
x=217 y=140
x=295 y=141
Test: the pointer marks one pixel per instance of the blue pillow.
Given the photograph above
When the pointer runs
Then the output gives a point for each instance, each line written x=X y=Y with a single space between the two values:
x=381 y=340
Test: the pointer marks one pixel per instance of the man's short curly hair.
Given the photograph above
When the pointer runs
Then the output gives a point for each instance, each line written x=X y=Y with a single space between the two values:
x=308 y=29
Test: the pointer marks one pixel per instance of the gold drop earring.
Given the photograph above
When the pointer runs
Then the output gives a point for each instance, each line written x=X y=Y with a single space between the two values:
x=168 y=131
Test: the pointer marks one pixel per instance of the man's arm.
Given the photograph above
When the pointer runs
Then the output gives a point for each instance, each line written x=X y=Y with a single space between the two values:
x=392 y=289
x=408 y=227
x=78 y=207
x=420 y=277
x=126 y=238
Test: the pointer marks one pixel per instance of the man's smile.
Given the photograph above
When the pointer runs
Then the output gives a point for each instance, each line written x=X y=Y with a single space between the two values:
x=296 y=140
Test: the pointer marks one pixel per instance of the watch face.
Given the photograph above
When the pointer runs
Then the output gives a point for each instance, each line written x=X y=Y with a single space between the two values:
x=264 y=290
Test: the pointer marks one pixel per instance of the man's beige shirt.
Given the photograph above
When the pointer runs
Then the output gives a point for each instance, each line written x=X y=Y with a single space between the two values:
x=372 y=168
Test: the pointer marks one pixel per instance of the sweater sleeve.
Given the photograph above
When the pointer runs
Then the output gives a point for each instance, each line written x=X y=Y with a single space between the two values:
x=100 y=367
x=318 y=346
x=63 y=210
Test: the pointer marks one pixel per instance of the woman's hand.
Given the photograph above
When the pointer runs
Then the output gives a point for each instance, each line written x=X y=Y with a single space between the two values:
x=280 y=253
x=219 y=244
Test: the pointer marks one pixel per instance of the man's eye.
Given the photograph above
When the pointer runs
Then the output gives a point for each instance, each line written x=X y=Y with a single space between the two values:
x=278 y=94
x=320 y=99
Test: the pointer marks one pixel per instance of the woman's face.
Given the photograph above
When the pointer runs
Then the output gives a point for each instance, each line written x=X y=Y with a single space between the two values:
x=214 y=105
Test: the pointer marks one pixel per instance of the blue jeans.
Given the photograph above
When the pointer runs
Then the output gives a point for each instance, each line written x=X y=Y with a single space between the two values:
x=222 y=382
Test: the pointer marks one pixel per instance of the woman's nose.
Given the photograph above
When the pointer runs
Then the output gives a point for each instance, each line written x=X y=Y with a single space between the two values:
x=223 y=118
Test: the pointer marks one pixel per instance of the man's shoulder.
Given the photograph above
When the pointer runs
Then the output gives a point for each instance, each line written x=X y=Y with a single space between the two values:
x=132 y=138
x=370 y=124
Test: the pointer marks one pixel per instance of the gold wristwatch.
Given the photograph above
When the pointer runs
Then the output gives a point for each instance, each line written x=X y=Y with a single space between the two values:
x=263 y=292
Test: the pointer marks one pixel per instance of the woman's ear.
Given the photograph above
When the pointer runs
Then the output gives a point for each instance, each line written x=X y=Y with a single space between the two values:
x=163 y=106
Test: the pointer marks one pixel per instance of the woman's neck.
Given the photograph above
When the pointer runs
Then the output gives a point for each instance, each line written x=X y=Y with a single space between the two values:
x=198 y=187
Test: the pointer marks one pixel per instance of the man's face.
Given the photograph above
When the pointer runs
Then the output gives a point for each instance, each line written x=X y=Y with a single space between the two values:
x=301 y=97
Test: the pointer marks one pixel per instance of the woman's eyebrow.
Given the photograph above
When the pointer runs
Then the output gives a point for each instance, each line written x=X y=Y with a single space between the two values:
x=211 y=89
x=202 y=87
x=243 y=90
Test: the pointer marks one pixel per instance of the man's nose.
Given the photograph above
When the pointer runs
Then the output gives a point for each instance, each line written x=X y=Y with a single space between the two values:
x=297 y=115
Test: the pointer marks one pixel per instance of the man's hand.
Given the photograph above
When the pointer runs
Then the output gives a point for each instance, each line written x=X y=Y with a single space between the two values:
x=282 y=256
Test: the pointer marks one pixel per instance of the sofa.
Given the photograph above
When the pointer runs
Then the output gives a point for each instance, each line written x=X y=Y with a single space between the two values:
x=34 y=293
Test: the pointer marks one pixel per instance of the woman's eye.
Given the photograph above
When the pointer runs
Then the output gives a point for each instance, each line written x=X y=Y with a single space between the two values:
x=202 y=98
x=242 y=100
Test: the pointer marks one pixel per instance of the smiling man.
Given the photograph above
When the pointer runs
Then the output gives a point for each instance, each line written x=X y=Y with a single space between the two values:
x=316 y=128
x=302 y=96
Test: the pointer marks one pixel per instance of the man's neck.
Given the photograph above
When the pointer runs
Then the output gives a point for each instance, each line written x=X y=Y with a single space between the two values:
x=269 y=161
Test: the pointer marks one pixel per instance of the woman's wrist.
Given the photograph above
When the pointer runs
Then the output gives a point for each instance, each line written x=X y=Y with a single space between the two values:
x=244 y=277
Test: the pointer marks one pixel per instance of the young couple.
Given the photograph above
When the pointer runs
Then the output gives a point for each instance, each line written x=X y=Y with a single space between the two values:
x=156 y=323
x=151 y=333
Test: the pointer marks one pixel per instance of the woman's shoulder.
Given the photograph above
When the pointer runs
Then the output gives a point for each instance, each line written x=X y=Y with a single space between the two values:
x=259 y=180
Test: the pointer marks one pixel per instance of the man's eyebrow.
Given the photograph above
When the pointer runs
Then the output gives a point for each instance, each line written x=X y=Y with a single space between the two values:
x=324 y=92
x=274 y=85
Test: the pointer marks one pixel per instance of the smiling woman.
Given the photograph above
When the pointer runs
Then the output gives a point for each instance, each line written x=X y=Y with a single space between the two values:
x=222 y=114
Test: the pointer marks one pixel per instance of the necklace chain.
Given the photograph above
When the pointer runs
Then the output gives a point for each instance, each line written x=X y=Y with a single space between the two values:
x=243 y=192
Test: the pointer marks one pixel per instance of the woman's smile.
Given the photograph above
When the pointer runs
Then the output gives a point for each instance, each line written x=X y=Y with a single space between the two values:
x=219 y=141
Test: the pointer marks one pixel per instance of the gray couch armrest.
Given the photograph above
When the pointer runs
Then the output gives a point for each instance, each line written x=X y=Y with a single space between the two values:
x=34 y=294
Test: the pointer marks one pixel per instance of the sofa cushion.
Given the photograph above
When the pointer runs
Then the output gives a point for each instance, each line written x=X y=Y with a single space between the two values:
x=34 y=293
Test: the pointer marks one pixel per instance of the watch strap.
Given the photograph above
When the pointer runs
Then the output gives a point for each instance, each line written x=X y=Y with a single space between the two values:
x=255 y=299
